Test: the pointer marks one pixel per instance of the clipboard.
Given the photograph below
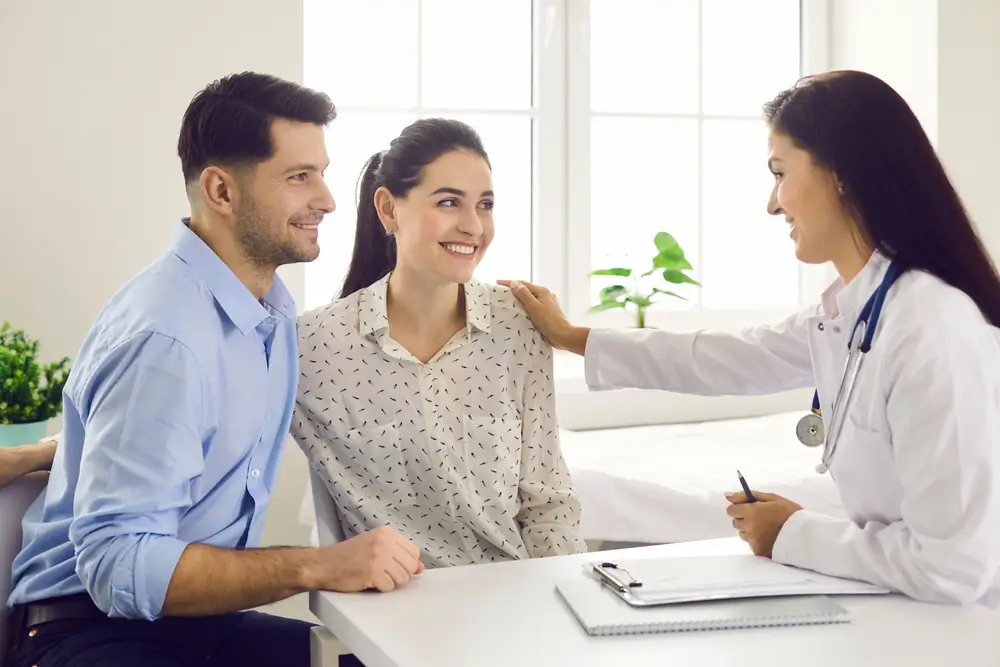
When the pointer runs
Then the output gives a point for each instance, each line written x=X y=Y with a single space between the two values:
x=653 y=582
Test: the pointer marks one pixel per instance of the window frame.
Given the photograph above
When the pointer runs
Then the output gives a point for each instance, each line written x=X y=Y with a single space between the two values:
x=561 y=239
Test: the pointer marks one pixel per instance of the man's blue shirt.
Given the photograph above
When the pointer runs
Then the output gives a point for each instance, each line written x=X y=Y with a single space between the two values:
x=175 y=416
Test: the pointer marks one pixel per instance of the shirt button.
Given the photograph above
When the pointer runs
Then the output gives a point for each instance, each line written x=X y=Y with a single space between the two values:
x=255 y=473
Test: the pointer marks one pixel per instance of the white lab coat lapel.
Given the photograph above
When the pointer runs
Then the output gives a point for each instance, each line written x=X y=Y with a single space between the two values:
x=829 y=333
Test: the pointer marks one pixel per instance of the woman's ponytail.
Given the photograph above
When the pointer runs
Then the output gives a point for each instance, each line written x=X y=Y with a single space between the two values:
x=374 y=253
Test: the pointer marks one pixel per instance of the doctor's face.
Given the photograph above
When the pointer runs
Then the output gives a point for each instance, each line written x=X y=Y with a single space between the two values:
x=806 y=195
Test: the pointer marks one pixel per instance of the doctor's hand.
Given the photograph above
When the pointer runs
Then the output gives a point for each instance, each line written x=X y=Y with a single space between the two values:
x=545 y=313
x=759 y=523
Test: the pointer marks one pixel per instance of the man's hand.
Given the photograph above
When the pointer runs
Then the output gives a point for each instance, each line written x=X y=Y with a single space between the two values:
x=759 y=523
x=381 y=559
x=543 y=309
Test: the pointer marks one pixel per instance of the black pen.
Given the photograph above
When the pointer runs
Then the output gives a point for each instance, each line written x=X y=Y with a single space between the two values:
x=746 y=489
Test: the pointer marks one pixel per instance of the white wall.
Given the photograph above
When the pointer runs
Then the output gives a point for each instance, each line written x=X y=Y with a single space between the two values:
x=969 y=107
x=943 y=56
x=897 y=41
x=90 y=184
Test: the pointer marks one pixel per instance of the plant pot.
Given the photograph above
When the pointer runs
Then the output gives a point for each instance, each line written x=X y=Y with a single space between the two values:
x=21 y=434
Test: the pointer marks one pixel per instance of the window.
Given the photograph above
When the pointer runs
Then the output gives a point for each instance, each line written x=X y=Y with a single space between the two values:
x=606 y=121
x=386 y=63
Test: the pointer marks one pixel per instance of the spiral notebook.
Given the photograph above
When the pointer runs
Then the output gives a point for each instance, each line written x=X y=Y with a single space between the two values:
x=600 y=612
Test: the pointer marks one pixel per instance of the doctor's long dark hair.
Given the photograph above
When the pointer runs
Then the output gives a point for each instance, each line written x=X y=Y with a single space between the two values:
x=398 y=169
x=857 y=126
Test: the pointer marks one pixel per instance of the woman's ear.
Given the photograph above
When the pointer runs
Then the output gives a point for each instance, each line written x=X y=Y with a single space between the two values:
x=385 y=206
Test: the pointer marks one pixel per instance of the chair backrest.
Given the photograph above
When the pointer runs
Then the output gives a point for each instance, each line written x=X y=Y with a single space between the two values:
x=14 y=501
x=328 y=529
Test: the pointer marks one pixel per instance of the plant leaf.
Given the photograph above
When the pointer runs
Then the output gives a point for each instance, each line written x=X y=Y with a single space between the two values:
x=29 y=391
x=607 y=305
x=665 y=241
x=640 y=301
x=621 y=273
x=612 y=292
x=657 y=290
x=672 y=259
x=678 y=277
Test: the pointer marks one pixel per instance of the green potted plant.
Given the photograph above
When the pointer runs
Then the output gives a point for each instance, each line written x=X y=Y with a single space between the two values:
x=641 y=291
x=30 y=392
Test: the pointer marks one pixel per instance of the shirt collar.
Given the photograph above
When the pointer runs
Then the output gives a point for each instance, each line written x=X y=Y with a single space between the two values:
x=373 y=317
x=840 y=300
x=239 y=304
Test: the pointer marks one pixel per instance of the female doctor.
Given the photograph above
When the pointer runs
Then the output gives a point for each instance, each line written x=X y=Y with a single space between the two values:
x=912 y=436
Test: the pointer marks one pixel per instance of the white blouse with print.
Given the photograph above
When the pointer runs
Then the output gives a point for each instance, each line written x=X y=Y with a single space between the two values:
x=461 y=454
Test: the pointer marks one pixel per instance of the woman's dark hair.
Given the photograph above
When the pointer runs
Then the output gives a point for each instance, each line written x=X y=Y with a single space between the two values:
x=398 y=169
x=858 y=127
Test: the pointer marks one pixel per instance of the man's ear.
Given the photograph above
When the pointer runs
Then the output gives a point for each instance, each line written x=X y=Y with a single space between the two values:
x=385 y=206
x=220 y=190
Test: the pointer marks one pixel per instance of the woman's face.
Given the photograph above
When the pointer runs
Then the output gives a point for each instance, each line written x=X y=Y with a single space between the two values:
x=807 y=195
x=443 y=225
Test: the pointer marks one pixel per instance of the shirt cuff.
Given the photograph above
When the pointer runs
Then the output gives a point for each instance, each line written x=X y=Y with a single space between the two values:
x=788 y=548
x=140 y=591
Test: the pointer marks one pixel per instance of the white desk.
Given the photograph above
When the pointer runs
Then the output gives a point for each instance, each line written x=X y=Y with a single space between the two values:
x=509 y=614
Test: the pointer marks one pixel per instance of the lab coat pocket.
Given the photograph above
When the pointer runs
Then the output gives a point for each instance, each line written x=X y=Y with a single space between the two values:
x=492 y=452
x=864 y=471
x=376 y=449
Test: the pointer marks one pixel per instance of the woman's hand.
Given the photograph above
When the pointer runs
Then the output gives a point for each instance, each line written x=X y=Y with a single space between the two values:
x=16 y=462
x=759 y=523
x=545 y=313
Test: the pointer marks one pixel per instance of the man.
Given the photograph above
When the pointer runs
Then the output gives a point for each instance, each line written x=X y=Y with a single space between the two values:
x=141 y=552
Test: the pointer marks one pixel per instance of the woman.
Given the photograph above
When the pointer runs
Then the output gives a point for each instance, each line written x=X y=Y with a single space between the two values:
x=16 y=462
x=916 y=452
x=426 y=399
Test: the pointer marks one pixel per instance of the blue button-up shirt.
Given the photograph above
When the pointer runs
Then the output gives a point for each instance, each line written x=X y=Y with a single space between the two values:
x=175 y=416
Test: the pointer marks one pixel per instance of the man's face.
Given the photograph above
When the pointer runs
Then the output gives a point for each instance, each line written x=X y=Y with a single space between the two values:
x=283 y=199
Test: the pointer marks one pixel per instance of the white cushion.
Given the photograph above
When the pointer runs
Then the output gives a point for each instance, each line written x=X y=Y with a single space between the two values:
x=14 y=501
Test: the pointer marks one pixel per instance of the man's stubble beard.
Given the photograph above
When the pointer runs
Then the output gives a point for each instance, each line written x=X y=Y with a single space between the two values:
x=262 y=242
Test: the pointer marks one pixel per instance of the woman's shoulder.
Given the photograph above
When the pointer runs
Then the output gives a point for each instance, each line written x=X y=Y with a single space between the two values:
x=925 y=298
x=928 y=312
x=334 y=317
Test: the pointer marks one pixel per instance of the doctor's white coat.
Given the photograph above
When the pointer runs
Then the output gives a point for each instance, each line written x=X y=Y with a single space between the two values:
x=918 y=461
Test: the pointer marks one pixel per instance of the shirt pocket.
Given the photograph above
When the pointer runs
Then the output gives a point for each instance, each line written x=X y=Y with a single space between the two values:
x=491 y=449
x=375 y=455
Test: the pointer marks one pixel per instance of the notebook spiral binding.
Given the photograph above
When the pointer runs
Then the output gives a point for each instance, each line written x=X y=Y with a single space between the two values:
x=696 y=626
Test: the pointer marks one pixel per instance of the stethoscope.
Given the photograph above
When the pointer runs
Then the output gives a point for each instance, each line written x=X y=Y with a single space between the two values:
x=810 y=430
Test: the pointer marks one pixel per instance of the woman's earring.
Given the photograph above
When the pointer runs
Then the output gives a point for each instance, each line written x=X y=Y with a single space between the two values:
x=840 y=189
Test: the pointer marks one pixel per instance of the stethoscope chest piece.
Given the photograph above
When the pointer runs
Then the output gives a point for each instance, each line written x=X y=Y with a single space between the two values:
x=809 y=430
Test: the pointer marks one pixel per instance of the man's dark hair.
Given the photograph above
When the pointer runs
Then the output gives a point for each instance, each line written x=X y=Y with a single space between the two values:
x=229 y=121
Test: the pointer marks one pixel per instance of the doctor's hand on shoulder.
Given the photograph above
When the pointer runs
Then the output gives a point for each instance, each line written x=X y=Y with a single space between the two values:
x=760 y=522
x=379 y=559
x=543 y=308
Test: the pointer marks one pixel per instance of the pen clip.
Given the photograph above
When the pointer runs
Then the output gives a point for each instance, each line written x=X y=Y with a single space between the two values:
x=613 y=581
